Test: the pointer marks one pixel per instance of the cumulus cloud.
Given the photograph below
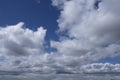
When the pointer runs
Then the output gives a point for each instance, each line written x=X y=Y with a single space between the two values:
x=100 y=68
x=19 y=45
x=89 y=33
x=22 y=51
x=16 y=40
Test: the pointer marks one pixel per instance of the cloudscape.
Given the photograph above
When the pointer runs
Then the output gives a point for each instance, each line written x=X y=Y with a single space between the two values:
x=60 y=39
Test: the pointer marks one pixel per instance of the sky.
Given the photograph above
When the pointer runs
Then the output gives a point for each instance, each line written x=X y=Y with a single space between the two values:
x=33 y=13
x=59 y=36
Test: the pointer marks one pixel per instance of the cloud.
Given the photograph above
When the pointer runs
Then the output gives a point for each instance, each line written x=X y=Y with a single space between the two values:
x=100 y=68
x=23 y=51
x=89 y=33
x=16 y=40
x=60 y=77
x=20 y=45
x=38 y=1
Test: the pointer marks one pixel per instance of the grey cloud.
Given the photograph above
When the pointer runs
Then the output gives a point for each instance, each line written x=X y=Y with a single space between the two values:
x=15 y=49
x=59 y=77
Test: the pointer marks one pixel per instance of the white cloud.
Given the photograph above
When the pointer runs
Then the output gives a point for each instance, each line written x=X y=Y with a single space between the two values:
x=20 y=45
x=16 y=40
x=23 y=50
x=100 y=68
x=92 y=33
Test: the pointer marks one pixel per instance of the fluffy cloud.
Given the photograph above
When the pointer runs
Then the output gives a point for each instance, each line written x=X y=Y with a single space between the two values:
x=20 y=46
x=100 y=68
x=22 y=51
x=88 y=33
x=16 y=40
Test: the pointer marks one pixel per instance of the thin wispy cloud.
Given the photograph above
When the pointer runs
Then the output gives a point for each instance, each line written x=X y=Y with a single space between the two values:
x=38 y=1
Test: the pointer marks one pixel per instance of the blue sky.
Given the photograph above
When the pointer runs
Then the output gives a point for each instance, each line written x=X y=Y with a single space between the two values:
x=59 y=35
x=32 y=13
x=114 y=60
